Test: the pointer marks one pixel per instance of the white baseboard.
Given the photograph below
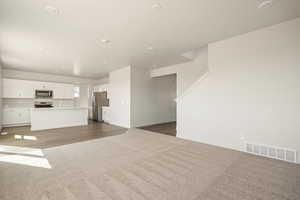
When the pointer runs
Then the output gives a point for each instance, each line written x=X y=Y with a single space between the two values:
x=15 y=125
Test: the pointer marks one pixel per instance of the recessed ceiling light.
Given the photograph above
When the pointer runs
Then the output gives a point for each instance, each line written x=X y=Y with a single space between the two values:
x=150 y=48
x=156 y=6
x=265 y=3
x=105 y=41
x=52 y=10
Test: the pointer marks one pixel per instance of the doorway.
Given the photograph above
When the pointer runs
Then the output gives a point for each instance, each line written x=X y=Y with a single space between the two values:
x=165 y=91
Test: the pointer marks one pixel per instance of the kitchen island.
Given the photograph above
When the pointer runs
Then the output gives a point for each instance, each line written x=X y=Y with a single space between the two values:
x=50 y=118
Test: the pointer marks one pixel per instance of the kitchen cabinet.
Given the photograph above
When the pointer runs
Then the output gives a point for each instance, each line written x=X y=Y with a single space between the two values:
x=60 y=118
x=44 y=85
x=15 y=116
x=13 y=88
x=63 y=91
x=17 y=89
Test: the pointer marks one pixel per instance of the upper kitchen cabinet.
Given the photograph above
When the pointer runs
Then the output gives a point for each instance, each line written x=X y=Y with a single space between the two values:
x=63 y=91
x=44 y=85
x=13 y=88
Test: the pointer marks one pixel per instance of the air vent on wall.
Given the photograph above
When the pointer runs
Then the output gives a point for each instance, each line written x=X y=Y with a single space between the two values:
x=272 y=152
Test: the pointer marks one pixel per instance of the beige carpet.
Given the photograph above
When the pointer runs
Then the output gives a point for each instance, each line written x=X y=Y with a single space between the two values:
x=143 y=165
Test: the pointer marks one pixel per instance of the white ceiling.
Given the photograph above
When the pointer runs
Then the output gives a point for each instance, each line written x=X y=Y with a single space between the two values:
x=32 y=39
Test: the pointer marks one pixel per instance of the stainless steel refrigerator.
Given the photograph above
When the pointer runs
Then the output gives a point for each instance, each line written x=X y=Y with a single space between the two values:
x=99 y=100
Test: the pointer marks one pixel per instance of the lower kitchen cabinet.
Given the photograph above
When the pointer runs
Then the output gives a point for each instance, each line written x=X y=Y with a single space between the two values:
x=16 y=116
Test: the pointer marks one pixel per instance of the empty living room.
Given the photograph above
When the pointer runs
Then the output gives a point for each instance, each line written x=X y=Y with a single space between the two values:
x=150 y=100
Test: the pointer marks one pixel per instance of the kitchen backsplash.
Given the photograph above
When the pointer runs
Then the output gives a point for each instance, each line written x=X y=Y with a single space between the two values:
x=29 y=103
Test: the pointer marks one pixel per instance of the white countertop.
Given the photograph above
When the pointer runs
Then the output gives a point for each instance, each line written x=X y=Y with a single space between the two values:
x=59 y=108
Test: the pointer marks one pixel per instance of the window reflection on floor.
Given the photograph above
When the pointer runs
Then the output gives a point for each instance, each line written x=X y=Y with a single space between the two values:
x=21 y=150
x=25 y=160
x=25 y=137
x=18 y=137
x=23 y=156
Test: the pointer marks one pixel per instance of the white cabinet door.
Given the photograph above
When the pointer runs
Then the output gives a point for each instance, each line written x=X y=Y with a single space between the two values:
x=15 y=116
x=24 y=115
x=27 y=89
x=50 y=86
x=11 y=88
x=58 y=92
x=64 y=91
x=69 y=91
x=38 y=85
x=17 y=89
x=10 y=116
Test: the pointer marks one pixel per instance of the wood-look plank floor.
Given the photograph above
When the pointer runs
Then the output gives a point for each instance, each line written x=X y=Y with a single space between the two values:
x=57 y=137
x=165 y=128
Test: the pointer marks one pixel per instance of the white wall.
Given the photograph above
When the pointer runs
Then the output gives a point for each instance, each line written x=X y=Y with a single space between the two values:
x=119 y=96
x=190 y=72
x=251 y=94
x=84 y=98
x=187 y=73
x=1 y=109
x=137 y=100
x=101 y=88
x=152 y=99
x=102 y=81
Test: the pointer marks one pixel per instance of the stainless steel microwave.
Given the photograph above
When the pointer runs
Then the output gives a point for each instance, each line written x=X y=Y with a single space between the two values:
x=43 y=94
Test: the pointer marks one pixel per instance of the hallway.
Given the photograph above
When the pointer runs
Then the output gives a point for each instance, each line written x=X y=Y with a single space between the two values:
x=165 y=128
